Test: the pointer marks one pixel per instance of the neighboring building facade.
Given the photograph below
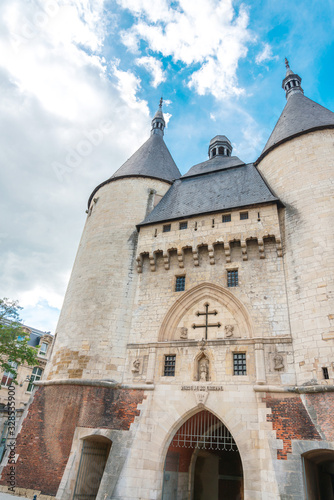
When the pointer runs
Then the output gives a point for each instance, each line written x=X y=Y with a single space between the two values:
x=26 y=376
x=194 y=353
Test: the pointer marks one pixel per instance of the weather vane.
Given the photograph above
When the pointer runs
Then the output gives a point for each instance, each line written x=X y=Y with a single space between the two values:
x=161 y=101
x=287 y=63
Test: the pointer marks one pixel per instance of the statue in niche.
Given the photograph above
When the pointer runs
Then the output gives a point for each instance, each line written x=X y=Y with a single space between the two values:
x=136 y=366
x=278 y=362
x=203 y=370
x=229 y=329
x=184 y=333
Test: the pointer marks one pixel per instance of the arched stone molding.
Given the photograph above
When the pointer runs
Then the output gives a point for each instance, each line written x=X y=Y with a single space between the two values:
x=204 y=291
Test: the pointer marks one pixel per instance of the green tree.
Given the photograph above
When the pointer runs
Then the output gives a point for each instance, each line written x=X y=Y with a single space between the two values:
x=13 y=339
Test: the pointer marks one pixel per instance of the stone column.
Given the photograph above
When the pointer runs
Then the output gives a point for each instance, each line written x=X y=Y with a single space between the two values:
x=259 y=364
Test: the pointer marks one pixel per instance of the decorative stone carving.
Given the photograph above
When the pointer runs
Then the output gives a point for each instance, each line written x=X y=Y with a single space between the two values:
x=229 y=329
x=278 y=361
x=202 y=344
x=183 y=333
x=201 y=397
x=136 y=366
x=203 y=369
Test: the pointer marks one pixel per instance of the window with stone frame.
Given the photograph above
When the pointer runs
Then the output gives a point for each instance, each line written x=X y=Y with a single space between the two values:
x=239 y=363
x=180 y=283
x=7 y=377
x=232 y=278
x=183 y=225
x=43 y=348
x=36 y=375
x=227 y=218
x=169 y=366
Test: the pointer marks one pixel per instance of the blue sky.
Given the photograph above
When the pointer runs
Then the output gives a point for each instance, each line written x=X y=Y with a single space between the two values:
x=80 y=81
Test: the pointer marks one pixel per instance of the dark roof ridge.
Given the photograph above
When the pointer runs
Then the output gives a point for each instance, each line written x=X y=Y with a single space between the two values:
x=200 y=174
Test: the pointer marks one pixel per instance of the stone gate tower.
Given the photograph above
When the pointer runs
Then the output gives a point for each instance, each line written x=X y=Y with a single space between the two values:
x=194 y=351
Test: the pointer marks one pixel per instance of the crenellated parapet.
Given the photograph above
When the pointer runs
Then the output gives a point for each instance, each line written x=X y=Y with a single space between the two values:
x=177 y=244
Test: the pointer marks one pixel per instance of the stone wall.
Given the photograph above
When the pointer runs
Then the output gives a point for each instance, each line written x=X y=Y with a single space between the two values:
x=44 y=443
x=95 y=319
x=300 y=171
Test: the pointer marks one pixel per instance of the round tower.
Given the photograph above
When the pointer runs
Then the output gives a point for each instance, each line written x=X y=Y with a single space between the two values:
x=298 y=164
x=94 y=323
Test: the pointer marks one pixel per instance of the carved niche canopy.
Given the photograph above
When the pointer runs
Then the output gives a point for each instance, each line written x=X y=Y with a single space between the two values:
x=206 y=311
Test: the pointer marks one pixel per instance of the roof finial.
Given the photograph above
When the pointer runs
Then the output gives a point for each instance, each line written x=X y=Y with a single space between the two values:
x=158 y=122
x=291 y=82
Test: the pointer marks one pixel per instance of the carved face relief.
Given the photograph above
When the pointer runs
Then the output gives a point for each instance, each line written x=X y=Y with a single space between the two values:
x=229 y=329
x=278 y=362
x=183 y=333
x=136 y=366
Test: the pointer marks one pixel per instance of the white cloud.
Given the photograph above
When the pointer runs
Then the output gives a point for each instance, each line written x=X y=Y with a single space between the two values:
x=206 y=32
x=265 y=55
x=153 y=66
x=56 y=96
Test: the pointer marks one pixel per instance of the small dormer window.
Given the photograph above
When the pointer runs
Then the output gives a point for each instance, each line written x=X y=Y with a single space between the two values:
x=43 y=349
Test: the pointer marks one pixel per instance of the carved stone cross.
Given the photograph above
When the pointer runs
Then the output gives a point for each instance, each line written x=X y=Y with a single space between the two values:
x=206 y=325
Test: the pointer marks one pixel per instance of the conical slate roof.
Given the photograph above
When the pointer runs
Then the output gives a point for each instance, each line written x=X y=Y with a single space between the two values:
x=300 y=115
x=152 y=159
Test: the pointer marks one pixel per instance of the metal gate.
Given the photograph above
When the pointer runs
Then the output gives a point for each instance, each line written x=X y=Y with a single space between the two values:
x=205 y=431
x=92 y=463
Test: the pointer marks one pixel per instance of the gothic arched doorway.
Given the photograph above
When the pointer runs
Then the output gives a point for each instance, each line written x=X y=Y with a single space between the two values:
x=203 y=462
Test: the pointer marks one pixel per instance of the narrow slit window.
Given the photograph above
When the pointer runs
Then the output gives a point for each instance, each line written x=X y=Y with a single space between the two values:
x=239 y=363
x=166 y=228
x=169 y=368
x=180 y=283
x=183 y=225
x=243 y=215
x=227 y=218
x=325 y=372
x=232 y=278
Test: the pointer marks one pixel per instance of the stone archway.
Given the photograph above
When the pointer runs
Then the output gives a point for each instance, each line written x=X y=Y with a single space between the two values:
x=227 y=309
x=318 y=470
x=203 y=462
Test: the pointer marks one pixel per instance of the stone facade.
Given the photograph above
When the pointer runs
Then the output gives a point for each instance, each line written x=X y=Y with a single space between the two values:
x=223 y=316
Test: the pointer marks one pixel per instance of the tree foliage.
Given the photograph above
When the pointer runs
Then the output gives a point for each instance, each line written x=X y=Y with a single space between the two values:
x=14 y=339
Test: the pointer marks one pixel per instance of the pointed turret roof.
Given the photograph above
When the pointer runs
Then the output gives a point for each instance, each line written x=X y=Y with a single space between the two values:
x=300 y=115
x=152 y=159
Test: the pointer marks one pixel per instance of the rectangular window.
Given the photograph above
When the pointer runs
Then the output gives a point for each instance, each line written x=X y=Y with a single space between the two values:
x=183 y=225
x=166 y=228
x=227 y=218
x=8 y=376
x=243 y=215
x=36 y=375
x=43 y=349
x=169 y=370
x=325 y=372
x=239 y=363
x=180 y=283
x=232 y=278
